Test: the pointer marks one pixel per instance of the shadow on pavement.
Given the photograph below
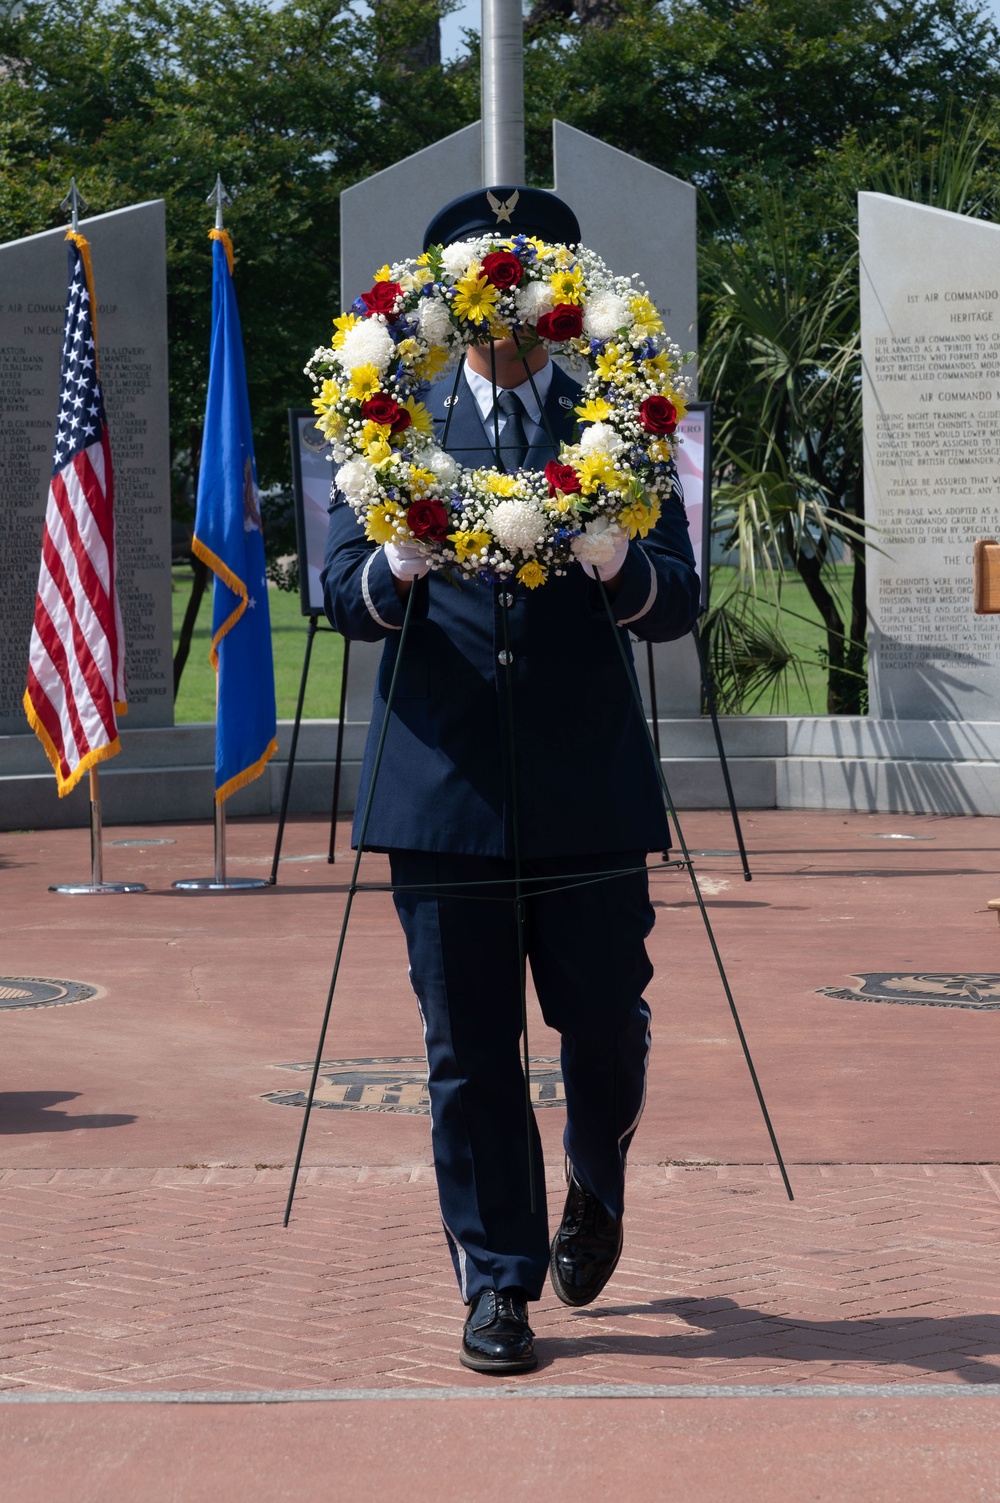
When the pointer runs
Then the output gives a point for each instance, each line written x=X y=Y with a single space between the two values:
x=937 y=1345
x=31 y=1111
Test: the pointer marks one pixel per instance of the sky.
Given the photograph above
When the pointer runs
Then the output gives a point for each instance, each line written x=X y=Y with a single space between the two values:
x=468 y=16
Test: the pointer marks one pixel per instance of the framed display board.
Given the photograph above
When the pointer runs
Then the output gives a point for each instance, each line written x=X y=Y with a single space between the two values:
x=694 y=465
x=312 y=477
x=312 y=474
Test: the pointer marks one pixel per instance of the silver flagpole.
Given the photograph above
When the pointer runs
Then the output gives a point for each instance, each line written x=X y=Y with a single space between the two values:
x=76 y=204
x=219 y=882
x=503 y=93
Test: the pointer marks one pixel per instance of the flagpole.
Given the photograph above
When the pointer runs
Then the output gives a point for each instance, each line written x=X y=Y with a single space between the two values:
x=74 y=202
x=220 y=882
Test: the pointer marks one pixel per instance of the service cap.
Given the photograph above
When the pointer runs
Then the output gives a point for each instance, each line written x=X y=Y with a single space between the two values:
x=510 y=211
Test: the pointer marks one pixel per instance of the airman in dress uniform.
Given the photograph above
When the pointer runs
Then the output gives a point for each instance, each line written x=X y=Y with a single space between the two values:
x=576 y=763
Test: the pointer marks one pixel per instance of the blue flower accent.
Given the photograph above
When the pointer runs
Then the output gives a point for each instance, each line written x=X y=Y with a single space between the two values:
x=358 y=306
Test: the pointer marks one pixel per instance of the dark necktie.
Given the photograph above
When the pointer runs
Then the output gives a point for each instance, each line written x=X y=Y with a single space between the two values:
x=513 y=442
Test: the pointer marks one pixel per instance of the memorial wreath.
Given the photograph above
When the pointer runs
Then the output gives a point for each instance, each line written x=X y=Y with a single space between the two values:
x=416 y=323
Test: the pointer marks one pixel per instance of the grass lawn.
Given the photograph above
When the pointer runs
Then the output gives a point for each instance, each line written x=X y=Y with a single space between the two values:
x=196 y=699
x=803 y=693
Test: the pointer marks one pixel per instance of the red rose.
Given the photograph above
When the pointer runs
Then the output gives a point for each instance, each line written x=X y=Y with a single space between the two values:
x=564 y=322
x=503 y=269
x=385 y=410
x=658 y=415
x=382 y=298
x=427 y=519
x=561 y=477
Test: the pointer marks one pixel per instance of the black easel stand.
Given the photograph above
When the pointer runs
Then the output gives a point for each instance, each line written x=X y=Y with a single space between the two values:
x=354 y=887
x=314 y=627
x=519 y=884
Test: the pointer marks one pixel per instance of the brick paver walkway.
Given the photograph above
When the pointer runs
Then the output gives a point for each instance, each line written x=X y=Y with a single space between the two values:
x=185 y=1279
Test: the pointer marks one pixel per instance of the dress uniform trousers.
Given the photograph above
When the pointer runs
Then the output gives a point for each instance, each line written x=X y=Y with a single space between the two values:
x=584 y=943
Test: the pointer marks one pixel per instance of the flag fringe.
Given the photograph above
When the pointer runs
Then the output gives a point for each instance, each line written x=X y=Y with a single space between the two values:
x=222 y=571
x=227 y=245
x=248 y=774
x=99 y=753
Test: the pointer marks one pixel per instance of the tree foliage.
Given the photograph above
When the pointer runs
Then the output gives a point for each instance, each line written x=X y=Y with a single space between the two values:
x=777 y=110
x=290 y=104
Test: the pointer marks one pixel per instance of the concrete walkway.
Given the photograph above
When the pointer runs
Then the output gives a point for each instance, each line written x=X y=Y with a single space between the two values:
x=164 y=1336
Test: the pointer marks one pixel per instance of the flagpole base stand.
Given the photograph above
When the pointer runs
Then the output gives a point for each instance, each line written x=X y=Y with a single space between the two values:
x=79 y=887
x=212 y=884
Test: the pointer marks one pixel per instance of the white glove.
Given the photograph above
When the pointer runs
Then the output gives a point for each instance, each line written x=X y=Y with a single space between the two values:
x=614 y=563
x=406 y=560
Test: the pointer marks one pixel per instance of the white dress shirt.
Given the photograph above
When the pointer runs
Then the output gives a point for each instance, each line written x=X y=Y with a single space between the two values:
x=482 y=389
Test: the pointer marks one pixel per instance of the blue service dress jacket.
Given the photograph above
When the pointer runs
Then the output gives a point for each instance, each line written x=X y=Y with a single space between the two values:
x=549 y=712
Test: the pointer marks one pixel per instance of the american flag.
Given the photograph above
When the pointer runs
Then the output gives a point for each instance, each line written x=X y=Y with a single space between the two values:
x=76 y=676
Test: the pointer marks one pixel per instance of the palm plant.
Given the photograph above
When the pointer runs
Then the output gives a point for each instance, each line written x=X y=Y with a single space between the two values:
x=782 y=362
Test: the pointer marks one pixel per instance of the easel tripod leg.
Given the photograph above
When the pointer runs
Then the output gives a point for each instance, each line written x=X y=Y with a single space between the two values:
x=698 y=895
x=352 y=889
x=706 y=680
x=338 y=760
x=310 y=636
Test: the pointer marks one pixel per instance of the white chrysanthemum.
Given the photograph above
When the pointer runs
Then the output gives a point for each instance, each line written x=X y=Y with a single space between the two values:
x=604 y=314
x=517 y=526
x=433 y=321
x=356 y=480
x=532 y=300
x=442 y=465
x=456 y=257
x=598 y=542
x=368 y=343
x=600 y=438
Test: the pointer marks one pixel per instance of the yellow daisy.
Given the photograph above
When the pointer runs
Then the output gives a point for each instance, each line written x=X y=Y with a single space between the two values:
x=594 y=411
x=372 y=432
x=567 y=286
x=380 y=522
x=659 y=450
x=615 y=364
x=646 y=319
x=497 y=484
x=383 y=274
x=598 y=469
x=476 y=299
x=422 y=482
x=365 y=381
x=531 y=574
x=342 y=324
x=639 y=516
x=429 y=365
x=468 y=544
x=420 y=419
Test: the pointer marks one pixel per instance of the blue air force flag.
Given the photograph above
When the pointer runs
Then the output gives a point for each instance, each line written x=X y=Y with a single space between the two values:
x=228 y=538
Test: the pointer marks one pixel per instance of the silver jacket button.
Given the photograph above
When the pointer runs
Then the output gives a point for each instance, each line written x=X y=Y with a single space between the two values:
x=507 y=599
x=504 y=657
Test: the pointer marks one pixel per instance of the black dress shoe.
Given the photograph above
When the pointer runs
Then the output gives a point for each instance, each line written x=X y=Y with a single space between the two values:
x=497 y=1337
x=586 y=1248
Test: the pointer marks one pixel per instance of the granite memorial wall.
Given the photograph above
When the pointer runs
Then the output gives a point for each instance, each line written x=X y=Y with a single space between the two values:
x=128 y=249
x=930 y=326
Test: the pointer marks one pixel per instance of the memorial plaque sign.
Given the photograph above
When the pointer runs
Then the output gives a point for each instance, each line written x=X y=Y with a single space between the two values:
x=129 y=256
x=930 y=327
